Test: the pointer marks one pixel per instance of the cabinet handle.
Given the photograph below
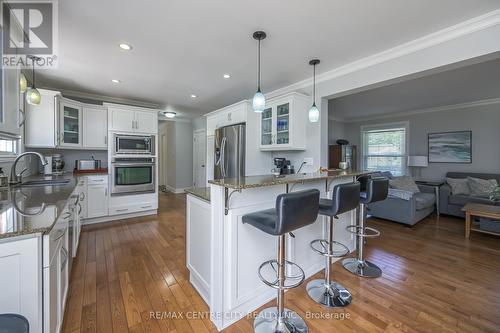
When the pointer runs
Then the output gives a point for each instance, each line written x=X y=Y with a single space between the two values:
x=23 y=115
x=68 y=214
x=122 y=210
x=65 y=261
x=60 y=235
x=106 y=192
x=148 y=206
x=105 y=139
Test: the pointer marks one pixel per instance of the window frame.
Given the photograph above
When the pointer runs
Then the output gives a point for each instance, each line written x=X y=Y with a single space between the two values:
x=387 y=126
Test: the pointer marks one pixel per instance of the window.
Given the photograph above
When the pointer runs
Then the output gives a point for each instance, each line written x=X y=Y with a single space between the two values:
x=8 y=147
x=384 y=148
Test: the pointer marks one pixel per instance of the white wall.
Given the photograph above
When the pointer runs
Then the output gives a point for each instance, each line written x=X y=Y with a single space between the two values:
x=483 y=121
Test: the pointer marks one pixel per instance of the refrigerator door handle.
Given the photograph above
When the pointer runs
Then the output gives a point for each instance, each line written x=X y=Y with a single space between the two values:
x=222 y=157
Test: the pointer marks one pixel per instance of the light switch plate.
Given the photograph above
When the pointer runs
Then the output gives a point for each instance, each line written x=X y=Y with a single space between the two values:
x=309 y=161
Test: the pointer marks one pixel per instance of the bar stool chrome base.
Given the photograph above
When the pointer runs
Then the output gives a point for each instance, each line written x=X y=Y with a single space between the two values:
x=332 y=295
x=267 y=322
x=362 y=268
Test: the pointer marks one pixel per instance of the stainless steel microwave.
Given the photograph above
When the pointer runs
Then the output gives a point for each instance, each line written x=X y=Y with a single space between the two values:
x=134 y=144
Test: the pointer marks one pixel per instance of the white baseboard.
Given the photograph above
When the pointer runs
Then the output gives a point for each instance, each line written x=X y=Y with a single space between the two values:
x=176 y=190
x=104 y=219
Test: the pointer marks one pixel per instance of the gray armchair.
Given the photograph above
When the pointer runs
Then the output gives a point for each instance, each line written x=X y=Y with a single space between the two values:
x=405 y=207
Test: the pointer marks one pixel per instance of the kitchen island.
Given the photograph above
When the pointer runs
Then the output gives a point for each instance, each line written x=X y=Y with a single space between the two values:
x=223 y=254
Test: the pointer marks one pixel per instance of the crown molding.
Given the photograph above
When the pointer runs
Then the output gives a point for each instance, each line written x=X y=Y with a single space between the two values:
x=453 y=32
x=420 y=111
x=107 y=99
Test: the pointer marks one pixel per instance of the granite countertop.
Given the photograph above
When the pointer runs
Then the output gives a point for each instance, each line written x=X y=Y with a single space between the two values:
x=270 y=180
x=34 y=209
x=200 y=192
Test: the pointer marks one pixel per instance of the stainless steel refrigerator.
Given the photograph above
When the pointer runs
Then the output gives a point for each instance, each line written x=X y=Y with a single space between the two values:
x=229 y=151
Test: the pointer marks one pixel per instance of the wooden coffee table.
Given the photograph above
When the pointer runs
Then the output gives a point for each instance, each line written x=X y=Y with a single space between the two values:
x=474 y=209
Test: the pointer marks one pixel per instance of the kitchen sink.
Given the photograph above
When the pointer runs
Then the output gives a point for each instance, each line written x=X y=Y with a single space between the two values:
x=45 y=182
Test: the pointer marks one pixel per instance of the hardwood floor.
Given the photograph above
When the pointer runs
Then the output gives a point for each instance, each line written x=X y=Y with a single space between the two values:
x=434 y=280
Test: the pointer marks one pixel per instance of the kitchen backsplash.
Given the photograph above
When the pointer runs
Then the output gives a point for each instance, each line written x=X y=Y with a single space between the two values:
x=70 y=156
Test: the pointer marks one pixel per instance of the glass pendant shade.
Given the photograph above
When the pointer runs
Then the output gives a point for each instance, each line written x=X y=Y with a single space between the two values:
x=259 y=102
x=23 y=83
x=33 y=96
x=313 y=114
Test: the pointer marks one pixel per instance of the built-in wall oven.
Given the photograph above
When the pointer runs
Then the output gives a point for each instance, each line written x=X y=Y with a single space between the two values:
x=130 y=144
x=131 y=175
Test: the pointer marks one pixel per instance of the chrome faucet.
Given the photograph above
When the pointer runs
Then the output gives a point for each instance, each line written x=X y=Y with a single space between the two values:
x=18 y=178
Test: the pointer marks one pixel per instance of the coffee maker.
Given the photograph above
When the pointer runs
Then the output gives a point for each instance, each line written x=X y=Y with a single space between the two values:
x=283 y=165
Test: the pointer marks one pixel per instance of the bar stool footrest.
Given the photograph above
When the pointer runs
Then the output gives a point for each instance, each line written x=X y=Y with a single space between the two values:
x=321 y=246
x=291 y=281
x=366 y=232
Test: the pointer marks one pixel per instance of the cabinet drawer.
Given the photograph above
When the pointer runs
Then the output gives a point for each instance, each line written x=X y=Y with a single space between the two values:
x=132 y=208
x=96 y=180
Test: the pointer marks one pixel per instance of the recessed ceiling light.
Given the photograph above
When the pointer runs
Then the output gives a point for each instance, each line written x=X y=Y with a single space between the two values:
x=125 y=46
x=169 y=114
x=116 y=81
x=193 y=96
x=226 y=76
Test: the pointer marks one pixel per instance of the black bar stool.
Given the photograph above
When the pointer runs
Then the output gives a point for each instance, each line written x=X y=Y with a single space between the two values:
x=327 y=292
x=293 y=211
x=376 y=189
x=13 y=323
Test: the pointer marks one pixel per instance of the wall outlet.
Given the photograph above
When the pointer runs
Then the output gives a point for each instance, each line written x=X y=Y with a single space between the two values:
x=308 y=161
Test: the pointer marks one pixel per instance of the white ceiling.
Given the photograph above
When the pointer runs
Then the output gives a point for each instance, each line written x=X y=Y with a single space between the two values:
x=467 y=84
x=183 y=46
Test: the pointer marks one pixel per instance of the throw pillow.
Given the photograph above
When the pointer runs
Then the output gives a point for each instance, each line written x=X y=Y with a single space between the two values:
x=405 y=183
x=458 y=185
x=481 y=187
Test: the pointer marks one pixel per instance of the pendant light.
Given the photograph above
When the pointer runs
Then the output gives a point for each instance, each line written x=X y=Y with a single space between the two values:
x=313 y=111
x=259 y=100
x=23 y=83
x=33 y=95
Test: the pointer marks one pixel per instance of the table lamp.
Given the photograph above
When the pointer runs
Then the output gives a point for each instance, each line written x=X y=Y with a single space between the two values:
x=417 y=162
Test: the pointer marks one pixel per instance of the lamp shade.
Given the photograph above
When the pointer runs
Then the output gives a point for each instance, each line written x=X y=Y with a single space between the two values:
x=417 y=161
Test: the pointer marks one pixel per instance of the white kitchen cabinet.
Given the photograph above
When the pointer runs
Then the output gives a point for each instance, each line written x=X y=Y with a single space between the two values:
x=146 y=122
x=95 y=127
x=63 y=278
x=229 y=115
x=41 y=125
x=121 y=119
x=21 y=279
x=132 y=119
x=97 y=196
x=283 y=123
x=70 y=123
x=10 y=117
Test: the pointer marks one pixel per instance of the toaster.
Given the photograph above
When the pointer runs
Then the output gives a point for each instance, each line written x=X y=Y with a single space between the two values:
x=86 y=164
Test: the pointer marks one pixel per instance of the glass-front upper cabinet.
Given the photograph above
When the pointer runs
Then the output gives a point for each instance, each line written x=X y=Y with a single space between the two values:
x=267 y=127
x=283 y=123
x=70 y=123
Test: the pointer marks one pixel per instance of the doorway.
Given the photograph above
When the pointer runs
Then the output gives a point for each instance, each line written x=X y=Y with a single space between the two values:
x=199 y=158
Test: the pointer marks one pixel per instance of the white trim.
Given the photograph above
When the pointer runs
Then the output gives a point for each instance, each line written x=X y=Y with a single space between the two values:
x=399 y=124
x=456 y=31
x=176 y=190
x=102 y=98
x=465 y=105
x=118 y=217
